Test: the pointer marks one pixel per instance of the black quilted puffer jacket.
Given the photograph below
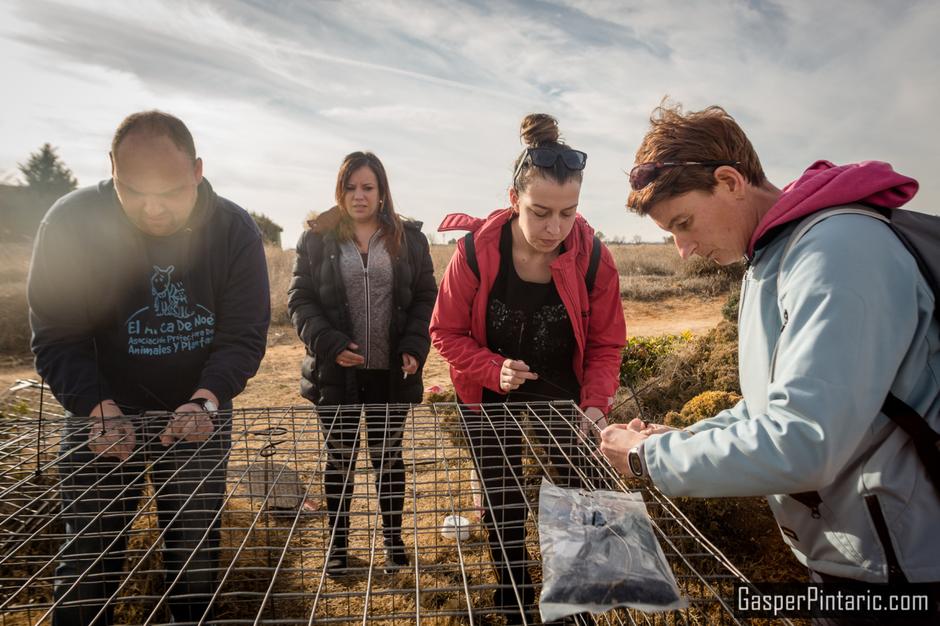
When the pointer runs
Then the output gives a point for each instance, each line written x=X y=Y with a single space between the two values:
x=319 y=311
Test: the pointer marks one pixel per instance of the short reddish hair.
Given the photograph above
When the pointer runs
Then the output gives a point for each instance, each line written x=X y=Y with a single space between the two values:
x=707 y=135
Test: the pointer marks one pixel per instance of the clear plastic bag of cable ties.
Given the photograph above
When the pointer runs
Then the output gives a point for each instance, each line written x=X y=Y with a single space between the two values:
x=599 y=552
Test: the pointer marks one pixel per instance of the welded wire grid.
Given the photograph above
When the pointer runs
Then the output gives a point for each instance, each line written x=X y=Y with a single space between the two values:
x=269 y=565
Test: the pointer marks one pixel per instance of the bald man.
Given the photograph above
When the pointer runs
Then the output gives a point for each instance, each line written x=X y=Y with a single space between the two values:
x=147 y=293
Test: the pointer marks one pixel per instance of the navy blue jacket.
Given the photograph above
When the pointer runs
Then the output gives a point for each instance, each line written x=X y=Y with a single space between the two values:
x=146 y=320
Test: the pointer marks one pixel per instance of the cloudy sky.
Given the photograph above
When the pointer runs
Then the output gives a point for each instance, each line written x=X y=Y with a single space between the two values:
x=276 y=93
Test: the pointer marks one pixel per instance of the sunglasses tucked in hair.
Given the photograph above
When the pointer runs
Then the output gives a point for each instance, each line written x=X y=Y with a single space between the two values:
x=645 y=173
x=546 y=157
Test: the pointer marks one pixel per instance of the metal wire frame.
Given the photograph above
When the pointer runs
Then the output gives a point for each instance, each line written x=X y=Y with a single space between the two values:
x=275 y=535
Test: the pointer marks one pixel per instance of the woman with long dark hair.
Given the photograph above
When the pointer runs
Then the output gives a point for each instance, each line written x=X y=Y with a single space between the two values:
x=361 y=300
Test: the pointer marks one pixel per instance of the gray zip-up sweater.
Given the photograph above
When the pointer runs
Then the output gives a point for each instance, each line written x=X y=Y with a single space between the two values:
x=368 y=286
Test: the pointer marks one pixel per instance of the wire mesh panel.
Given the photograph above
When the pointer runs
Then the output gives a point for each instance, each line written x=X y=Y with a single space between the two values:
x=238 y=529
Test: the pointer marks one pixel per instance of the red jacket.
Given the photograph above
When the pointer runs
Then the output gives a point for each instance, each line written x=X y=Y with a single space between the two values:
x=458 y=324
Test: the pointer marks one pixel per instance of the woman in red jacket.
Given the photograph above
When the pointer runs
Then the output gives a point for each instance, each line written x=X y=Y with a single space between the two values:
x=525 y=325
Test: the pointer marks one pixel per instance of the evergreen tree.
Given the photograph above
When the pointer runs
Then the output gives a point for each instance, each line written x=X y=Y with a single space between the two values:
x=46 y=174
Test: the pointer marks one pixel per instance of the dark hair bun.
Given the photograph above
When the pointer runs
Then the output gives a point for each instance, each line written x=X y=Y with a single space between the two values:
x=539 y=129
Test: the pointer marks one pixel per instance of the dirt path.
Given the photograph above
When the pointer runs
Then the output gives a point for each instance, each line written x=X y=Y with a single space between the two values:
x=277 y=381
x=14 y=370
x=675 y=315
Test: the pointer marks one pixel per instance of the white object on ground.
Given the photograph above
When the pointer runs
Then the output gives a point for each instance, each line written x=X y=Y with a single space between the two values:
x=456 y=527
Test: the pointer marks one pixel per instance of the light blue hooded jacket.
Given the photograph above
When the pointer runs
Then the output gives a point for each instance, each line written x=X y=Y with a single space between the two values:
x=853 y=319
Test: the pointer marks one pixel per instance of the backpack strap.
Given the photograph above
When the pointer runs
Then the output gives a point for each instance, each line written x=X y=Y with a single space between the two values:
x=470 y=251
x=926 y=440
x=591 y=276
x=817 y=217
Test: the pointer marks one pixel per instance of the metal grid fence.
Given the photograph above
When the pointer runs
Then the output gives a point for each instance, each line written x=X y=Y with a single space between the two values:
x=148 y=518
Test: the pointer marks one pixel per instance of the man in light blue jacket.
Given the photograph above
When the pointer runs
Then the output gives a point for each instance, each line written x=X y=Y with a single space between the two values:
x=824 y=335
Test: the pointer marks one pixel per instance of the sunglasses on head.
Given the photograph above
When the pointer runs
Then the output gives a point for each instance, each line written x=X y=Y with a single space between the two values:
x=546 y=157
x=645 y=173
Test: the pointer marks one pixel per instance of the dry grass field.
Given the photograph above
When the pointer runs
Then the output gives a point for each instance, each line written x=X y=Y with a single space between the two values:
x=14 y=322
x=280 y=268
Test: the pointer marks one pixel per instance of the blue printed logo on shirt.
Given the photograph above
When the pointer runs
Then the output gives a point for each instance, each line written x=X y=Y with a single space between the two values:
x=171 y=325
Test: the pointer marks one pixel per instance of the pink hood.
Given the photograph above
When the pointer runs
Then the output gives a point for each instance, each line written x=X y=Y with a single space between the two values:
x=824 y=185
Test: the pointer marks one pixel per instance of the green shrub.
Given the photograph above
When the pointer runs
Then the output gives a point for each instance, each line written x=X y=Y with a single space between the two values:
x=666 y=372
x=698 y=266
x=642 y=355
x=445 y=395
x=704 y=405
x=730 y=309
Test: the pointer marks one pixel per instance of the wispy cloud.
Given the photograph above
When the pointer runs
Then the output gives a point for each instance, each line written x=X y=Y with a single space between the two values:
x=277 y=93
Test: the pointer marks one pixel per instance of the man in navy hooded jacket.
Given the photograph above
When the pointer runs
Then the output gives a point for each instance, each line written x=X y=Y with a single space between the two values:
x=825 y=332
x=147 y=293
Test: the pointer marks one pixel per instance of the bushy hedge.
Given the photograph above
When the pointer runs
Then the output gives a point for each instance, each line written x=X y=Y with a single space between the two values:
x=642 y=355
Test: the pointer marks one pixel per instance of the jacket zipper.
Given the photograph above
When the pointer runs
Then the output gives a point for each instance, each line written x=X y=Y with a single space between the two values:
x=747 y=271
x=365 y=277
x=773 y=358
x=895 y=573
x=334 y=267
x=365 y=274
x=365 y=283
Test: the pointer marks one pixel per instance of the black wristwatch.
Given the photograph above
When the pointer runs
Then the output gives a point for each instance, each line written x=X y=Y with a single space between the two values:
x=635 y=461
x=205 y=404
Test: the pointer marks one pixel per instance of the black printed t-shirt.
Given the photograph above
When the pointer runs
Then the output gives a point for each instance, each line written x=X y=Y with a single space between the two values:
x=528 y=321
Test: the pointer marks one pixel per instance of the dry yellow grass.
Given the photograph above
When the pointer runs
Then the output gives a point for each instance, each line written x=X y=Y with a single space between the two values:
x=280 y=268
x=14 y=311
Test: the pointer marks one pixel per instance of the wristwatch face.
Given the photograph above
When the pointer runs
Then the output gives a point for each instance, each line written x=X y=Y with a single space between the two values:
x=636 y=465
x=207 y=405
